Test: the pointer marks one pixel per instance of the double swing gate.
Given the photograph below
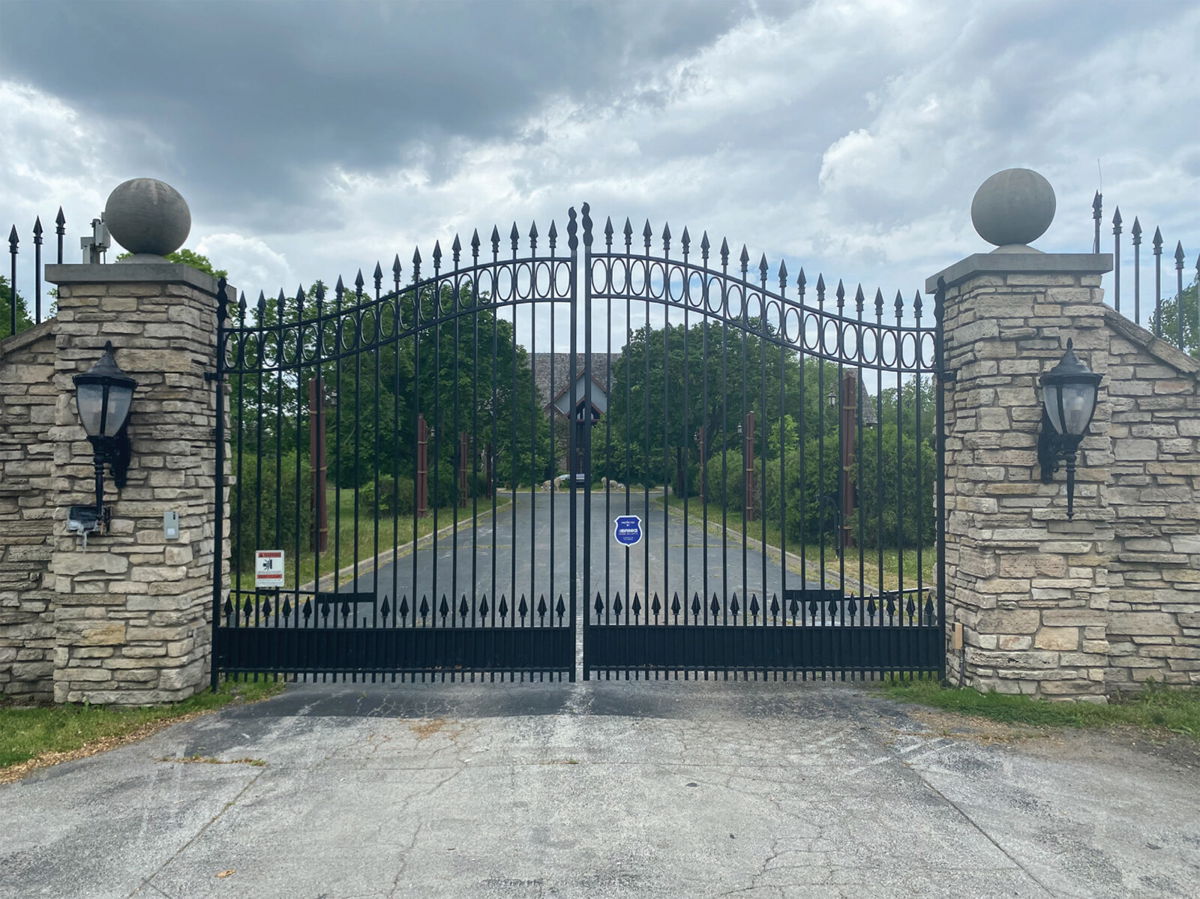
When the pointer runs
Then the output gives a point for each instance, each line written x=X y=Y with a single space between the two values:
x=637 y=455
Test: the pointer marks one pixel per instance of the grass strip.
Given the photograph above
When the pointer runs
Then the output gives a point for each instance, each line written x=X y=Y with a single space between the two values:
x=341 y=532
x=1157 y=707
x=36 y=736
x=812 y=552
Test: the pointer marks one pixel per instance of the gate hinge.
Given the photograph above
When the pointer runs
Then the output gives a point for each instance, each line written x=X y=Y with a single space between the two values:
x=210 y=376
x=948 y=376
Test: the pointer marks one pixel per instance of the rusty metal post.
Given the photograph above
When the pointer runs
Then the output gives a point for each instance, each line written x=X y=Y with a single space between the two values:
x=422 y=467
x=463 y=455
x=748 y=460
x=319 y=464
x=848 y=435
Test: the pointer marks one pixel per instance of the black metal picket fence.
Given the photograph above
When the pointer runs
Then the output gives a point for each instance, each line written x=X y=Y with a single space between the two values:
x=1173 y=315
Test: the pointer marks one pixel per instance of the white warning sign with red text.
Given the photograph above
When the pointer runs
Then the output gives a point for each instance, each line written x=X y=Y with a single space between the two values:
x=268 y=568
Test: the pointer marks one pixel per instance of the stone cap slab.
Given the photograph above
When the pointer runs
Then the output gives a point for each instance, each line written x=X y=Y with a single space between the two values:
x=1031 y=263
x=132 y=273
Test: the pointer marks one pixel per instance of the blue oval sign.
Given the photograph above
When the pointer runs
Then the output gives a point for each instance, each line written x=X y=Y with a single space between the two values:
x=627 y=529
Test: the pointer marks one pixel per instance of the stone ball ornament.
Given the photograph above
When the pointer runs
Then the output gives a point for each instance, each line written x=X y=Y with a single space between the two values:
x=1013 y=207
x=148 y=217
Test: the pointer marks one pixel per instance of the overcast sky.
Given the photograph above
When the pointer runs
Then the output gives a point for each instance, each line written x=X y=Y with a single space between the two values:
x=311 y=139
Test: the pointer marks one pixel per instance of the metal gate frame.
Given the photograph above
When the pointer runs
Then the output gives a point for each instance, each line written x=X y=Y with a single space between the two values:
x=813 y=630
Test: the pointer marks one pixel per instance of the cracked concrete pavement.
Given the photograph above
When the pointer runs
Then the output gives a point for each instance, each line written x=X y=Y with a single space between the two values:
x=605 y=789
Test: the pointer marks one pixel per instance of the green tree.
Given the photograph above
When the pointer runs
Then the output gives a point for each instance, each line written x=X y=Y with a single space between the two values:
x=6 y=300
x=192 y=258
x=1180 y=315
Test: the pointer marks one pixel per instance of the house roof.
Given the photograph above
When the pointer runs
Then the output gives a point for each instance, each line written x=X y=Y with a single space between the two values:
x=564 y=374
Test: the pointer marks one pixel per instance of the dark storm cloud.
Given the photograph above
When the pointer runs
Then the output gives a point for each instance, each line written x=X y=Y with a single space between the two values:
x=258 y=96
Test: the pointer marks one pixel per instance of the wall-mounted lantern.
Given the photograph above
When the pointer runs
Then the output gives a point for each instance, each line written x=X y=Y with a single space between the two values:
x=103 y=395
x=1069 y=394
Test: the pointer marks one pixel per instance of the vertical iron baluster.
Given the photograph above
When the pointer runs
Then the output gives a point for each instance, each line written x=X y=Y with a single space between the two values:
x=514 y=240
x=280 y=364
x=899 y=447
x=321 y=501
x=1136 y=231
x=1116 y=222
x=60 y=230
x=838 y=618
x=919 y=439
x=493 y=450
x=13 y=240
x=397 y=332
x=685 y=421
x=879 y=503
x=533 y=413
x=376 y=352
x=666 y=367
x=435 y=298
x=585 y=211
x=37 y=271
x=763 y=344
x=417 y=413
x=627 y=368
x=724 y=436
x=475 y=312
x=261 y=323
x=822 y=495
x=339 y=323
x=301 y=392
x=573 y=248
x=802 y=438
x=239 y=545
x=1157 y=244
x=1179 y=311
x=704 y=450
x=783 y=368
x=747 y=497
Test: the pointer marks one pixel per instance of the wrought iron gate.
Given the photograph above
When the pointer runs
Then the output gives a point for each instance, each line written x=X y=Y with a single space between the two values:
x=617 y=458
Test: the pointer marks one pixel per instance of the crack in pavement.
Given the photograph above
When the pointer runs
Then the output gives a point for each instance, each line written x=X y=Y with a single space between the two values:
x=209 y=823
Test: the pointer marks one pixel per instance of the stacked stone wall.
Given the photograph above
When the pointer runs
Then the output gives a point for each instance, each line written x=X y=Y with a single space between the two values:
x=133 y=608
x=1027 y=584
x=28 y=398
x=1154 y=575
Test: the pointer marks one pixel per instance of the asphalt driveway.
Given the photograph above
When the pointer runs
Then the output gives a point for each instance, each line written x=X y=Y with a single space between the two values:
x=604 y=789
x=524 y=550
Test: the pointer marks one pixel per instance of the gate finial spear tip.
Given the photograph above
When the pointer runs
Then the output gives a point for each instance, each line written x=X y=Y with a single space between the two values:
x=37 y=227
x=60 y=219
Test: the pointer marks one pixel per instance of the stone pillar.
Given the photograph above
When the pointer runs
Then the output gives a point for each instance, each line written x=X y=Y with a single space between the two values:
x=133 y=623
x=1027 y=585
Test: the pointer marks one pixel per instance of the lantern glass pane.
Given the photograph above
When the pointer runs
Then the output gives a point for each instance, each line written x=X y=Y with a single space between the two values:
x=1077 y=403
x=1050 y=394
x=90 y=398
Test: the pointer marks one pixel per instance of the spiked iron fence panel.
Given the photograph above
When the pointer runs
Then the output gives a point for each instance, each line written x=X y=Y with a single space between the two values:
x=621 y=459
x=22 y=304
x=1167 y=304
